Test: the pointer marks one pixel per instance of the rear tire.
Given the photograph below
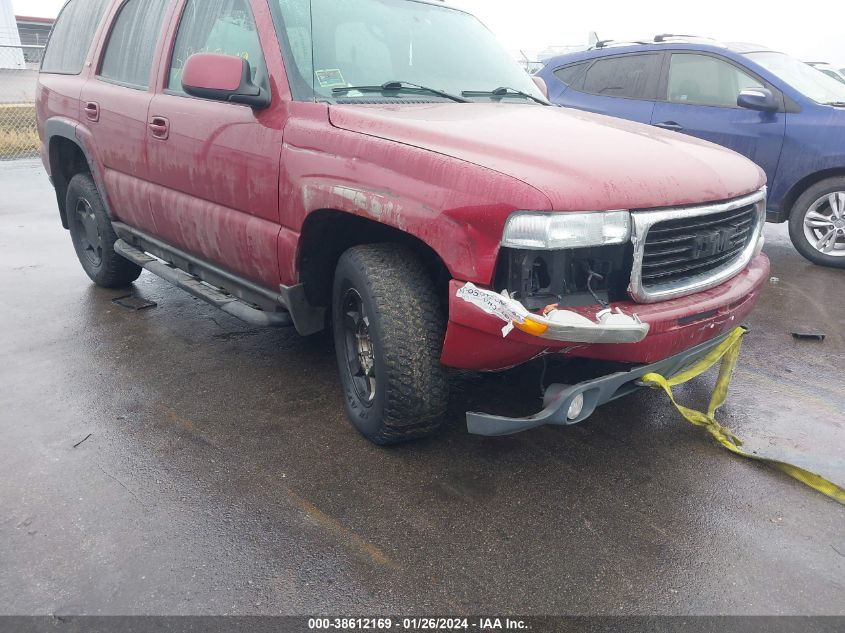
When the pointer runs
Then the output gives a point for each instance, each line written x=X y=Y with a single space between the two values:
x=817 y=223
x=388 y=331
x=94 y=237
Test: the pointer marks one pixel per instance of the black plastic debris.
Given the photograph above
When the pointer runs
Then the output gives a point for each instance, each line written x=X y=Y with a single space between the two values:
x=809 y=335
x=131 y=302
x=83 y=440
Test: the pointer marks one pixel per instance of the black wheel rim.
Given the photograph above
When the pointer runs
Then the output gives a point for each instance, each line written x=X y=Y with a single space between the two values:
x=360 y=352
x=90 y=240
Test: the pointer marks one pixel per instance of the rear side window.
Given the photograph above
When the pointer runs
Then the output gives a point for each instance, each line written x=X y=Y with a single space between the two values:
x=570 y=75
x=226 y=27
x=630 y=76
x=72 y=36
x=132 y=43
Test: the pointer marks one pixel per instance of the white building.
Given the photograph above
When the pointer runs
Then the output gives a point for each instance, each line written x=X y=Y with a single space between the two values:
x=11 y=55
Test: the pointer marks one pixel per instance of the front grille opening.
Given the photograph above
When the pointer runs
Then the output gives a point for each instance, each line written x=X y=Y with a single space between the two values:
x=682 y=248
x=542 y=278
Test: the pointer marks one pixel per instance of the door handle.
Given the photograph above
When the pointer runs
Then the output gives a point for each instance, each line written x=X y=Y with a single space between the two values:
x=669 y=125
x=159 y=127
x=92 y=111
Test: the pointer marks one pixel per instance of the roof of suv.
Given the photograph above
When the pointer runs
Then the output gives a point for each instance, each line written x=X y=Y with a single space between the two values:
x=662 y=42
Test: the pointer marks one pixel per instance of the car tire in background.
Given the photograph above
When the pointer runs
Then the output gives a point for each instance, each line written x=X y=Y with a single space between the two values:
x=388 y=332
x=94 y=237
x=817 y=223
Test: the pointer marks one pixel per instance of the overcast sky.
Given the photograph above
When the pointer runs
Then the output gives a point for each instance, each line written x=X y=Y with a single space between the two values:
x=807 y=30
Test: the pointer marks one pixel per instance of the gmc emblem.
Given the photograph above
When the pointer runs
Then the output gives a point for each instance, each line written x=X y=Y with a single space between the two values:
x=713 y=242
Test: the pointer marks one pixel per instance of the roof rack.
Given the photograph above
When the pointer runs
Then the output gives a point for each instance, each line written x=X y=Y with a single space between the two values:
x=663 y=38
x=677 y=36
x=609 y=43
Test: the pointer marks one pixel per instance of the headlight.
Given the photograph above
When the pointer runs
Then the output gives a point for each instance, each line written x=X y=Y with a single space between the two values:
x=550 y=230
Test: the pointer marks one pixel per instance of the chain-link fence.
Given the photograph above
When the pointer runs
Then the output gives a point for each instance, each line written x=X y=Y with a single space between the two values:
x=18 y=76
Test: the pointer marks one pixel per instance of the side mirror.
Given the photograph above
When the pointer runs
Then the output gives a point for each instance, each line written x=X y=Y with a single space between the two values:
x=541 y=84
x=222 y=78
x=760 y=99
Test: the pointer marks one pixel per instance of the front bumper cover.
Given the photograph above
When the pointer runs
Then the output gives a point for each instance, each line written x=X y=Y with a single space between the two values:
x=474 y=338
x=609 y=326
x=595 y=393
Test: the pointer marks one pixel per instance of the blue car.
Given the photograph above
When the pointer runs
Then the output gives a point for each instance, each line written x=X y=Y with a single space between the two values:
x=781 y=113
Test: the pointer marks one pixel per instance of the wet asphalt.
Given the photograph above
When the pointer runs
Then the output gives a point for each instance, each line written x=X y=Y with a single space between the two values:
x=219 y=475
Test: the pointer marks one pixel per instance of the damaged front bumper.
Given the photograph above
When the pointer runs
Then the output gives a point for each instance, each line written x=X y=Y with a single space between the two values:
x=474 y=336
x=566 y=405
x=609 y=326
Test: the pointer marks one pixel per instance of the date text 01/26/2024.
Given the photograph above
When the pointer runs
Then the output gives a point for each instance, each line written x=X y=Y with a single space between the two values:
x=417 y=624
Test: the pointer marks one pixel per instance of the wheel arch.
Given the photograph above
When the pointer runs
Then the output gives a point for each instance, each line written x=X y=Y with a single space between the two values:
x=66 y=157
x=804 y=184
x=327 y=233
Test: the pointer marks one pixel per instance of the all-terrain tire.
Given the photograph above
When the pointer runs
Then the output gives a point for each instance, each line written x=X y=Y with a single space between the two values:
x=797 y=216
x=94 y=237
x=404 y=324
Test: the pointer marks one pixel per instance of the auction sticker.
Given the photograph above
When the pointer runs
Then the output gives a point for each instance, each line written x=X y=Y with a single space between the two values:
x=495 y=304
x=331 y=78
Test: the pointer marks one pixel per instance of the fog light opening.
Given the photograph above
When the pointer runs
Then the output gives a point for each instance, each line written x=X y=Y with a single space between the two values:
x=576 y=407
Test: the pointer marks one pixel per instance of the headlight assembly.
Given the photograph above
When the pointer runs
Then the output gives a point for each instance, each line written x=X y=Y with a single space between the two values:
x=561 y=230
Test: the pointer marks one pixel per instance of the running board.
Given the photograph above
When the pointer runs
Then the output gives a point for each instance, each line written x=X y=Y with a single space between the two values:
x=195 y=287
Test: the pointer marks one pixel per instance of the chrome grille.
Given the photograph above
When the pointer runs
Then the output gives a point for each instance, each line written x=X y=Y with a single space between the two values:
x=694 y=246
x=681 y=251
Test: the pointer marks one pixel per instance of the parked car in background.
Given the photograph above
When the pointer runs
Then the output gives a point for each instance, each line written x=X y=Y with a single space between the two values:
x=323 y=164
x=784 y=115
x=829 y=70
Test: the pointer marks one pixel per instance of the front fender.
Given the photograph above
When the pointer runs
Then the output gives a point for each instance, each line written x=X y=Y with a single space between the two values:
x=456 y=208
x=813 y=149
x=445 y=236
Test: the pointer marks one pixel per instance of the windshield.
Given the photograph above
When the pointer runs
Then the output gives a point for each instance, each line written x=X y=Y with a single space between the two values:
x=833 y=73
x=337 y=44
x=803 y=77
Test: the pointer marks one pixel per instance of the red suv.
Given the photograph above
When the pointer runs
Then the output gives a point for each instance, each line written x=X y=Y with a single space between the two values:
x=383 y=168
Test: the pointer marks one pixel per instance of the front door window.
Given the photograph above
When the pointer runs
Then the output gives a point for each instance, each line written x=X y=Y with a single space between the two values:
x=706 y=80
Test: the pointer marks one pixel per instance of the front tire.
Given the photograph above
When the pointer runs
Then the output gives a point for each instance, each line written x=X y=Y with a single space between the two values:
x=388 y=332
x=94 y=237
x=817 y=223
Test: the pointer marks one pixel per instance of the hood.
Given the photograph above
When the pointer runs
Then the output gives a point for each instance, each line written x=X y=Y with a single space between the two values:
x=580 y=161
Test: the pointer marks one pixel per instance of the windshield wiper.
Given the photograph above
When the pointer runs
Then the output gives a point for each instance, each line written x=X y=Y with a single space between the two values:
x=836 y=104
x=503 y=92
x=397 y=86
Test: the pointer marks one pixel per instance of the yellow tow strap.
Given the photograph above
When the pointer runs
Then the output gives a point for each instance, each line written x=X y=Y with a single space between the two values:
x=728 y=353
